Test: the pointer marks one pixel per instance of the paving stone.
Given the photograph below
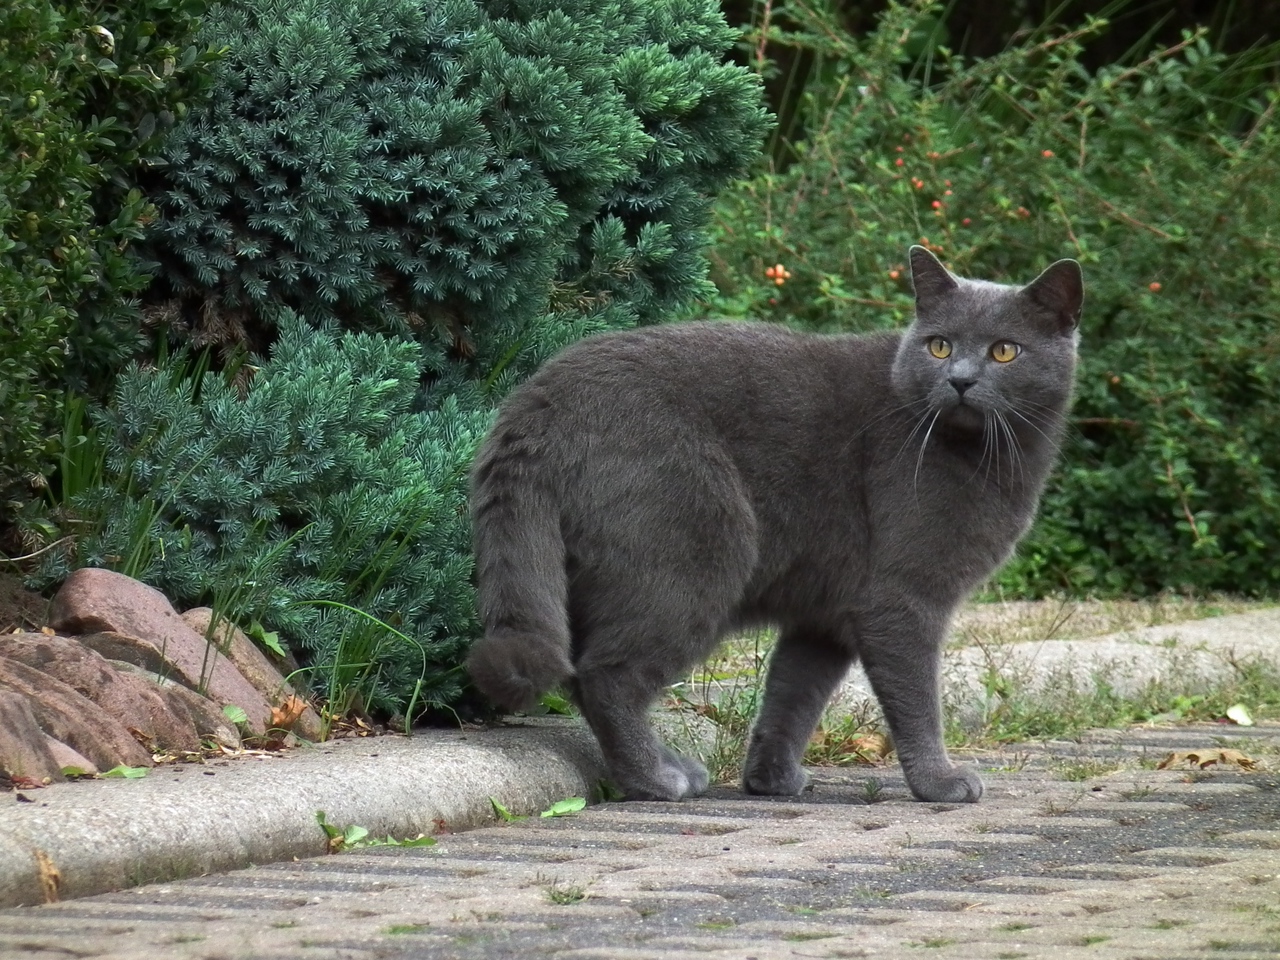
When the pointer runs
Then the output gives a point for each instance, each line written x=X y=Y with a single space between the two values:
x=1148 y=866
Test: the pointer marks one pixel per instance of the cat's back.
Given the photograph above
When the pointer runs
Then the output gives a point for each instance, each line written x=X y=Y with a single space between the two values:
x=713 y=367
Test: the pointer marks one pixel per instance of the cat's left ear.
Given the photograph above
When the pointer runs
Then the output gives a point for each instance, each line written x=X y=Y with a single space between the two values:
x=1060 y=290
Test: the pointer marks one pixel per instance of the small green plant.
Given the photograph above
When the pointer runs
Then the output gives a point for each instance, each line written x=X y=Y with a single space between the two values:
x=1060 y=808
x=725 y=692
x=1082 y=768
x=872 y=790
x=717 y=923
x=1137 y=792
x=563 y=894
x=353 y=837
x=401 y=929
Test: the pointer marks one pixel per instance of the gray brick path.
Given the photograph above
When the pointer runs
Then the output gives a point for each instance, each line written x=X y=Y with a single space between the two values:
x=1132 y=864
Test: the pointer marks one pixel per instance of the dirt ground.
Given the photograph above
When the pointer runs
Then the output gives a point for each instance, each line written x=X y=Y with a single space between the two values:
x=20 y=608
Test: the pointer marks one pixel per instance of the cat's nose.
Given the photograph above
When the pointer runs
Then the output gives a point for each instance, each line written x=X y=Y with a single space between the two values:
x=962 y=383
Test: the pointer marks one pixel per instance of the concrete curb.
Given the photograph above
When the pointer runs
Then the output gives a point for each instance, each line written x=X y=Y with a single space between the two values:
x=190 y=819
x=1201 y=649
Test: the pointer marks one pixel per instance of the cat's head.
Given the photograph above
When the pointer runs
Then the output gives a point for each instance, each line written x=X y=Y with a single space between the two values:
x=978 y=349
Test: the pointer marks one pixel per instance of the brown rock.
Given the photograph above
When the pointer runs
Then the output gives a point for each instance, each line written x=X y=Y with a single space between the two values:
x=94 y=601
x=132 y=700
x=24 y=749
x=65 y=757
x=75 y=720
x=205 y=715
x=254 y=666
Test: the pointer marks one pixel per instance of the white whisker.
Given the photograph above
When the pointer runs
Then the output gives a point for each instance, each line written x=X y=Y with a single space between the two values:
x=915 y=481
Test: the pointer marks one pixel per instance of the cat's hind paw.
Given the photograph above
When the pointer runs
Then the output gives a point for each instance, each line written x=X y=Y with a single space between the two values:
x=678 y=777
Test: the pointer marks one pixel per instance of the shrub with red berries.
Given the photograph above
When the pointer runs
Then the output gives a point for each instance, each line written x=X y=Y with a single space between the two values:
x=1171 y=475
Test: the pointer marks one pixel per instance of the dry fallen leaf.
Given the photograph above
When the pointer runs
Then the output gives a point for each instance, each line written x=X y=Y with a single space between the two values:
x=287 y=714
x=870 y=748
x=1207 y=758
x=48 y=631
x=50 y=877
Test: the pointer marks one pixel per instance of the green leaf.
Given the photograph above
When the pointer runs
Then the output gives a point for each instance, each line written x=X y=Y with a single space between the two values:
x=235 y=714
x=503 y=812
x=268 y=638
x=329 y=829
x=565 y=808
x=76 y=772
x=557 y=704
x=126 y=773
x=353 y=835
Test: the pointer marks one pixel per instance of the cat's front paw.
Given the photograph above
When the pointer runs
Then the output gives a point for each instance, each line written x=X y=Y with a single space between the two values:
x=774 y=779
x=698 y=777
x=956 y=785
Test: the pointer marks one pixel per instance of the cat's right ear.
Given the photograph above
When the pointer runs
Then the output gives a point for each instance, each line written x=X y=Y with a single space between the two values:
x=932 y=281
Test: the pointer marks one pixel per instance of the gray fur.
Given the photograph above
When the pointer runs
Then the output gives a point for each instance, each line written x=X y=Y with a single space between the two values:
x=648 y=492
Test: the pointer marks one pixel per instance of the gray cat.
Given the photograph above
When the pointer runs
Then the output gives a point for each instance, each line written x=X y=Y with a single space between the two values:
x=648 y=492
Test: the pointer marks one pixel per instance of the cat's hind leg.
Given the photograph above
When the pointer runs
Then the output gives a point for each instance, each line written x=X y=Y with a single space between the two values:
x=806 y=666
x=615 y=702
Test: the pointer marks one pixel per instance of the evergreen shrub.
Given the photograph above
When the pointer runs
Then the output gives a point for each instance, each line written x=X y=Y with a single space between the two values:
x=470 y=185
x=85 y=91
x=495 y=179
x=318 y=481
x=1161 y=175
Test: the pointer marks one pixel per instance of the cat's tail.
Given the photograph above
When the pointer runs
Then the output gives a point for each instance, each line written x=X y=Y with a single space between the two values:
x=520 y=573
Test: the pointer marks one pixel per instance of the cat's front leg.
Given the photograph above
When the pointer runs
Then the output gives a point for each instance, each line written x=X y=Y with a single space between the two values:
x=805 y=667
x=901 y=654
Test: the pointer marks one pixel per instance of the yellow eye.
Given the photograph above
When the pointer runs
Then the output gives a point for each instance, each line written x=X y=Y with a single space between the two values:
x=1004 y=351
x=940 y=348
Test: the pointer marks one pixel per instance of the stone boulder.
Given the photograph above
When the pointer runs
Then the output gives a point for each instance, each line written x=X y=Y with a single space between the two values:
x=98 y=602
x=131 y=699
x=246 y=657
x=24 y=749
x=65 y=757
x=62 y=713
x=200 y=712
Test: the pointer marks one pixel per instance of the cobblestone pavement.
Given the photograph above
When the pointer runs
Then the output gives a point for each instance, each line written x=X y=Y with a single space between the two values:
x=1065 y=857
